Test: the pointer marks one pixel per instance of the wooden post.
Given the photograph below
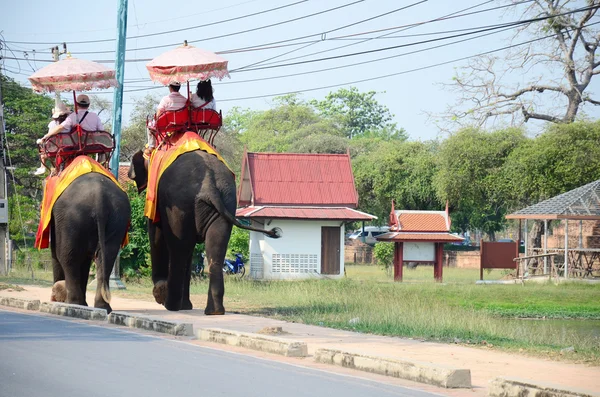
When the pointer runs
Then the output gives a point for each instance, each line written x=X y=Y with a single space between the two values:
x=438 y=269
x=545 y=245
x=566 y=248
x=398 y=261
x=481 y=259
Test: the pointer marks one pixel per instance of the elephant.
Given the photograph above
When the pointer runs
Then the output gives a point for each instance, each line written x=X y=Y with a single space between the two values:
x=196 y=204
x=89 y=221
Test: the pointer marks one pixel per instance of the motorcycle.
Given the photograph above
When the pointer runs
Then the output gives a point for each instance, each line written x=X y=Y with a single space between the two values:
x=235 y=267
x=198 y=269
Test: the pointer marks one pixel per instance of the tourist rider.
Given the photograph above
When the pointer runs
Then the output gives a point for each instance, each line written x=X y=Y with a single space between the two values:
x=173 y=101
x=59 y=114
x=203 y=98
x=88 y=120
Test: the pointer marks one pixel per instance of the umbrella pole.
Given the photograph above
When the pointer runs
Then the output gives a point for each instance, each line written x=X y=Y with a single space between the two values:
x=76 y=118
x=189 y=105
x=75 y=103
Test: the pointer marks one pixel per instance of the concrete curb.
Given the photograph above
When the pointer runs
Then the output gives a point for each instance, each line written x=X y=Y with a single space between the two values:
x=517 y=387
x=77 y=311
x=27 y=304
x=438 y=375
x=176 y=328
x=270 y=344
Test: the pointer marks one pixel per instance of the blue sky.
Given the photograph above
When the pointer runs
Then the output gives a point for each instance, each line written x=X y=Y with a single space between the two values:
x=409 y=96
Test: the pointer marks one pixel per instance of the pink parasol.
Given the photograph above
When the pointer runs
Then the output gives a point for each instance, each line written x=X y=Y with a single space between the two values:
x=186 y=63
x=72 y=74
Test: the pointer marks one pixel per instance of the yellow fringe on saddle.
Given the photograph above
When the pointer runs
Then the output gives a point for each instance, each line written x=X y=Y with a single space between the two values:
x=56 y=185
x=160 y=160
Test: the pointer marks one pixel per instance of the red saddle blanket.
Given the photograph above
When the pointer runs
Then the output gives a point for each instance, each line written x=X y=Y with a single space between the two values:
x=56 y=185
x=162 y=158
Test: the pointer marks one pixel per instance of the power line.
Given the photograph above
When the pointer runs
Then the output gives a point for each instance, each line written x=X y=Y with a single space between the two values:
x=340 y=28
x=233 y=33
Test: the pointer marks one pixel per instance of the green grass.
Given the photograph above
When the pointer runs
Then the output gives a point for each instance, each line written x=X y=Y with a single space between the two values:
x=421 y=308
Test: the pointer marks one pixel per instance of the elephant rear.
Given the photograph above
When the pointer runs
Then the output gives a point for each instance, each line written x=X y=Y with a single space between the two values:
x=89 y=220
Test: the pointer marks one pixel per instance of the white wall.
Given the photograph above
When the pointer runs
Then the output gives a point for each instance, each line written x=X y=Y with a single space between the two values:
x=418 y=252
x=297 y=253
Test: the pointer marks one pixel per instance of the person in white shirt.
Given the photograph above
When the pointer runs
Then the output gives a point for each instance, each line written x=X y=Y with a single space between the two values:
x=203 y=98
x=88 y=120
x=173 y=101
x=59 y=114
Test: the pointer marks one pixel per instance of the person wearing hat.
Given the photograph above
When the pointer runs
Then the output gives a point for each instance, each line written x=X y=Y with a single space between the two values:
x=59 y=114
x=88 y=120
x=173 y=101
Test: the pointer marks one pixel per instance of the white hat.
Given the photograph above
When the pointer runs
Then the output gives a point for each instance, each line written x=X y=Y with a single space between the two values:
x=59 y=109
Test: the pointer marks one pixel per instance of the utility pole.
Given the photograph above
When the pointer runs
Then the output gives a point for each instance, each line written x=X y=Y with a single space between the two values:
x=4 y=265
x=115 y=281
x=56 y=53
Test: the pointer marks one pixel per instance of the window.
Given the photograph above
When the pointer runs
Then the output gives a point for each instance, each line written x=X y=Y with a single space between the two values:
x=294 y=263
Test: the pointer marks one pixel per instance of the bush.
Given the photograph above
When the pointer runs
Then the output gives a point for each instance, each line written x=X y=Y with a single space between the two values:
x=239 y=243
x=135 y=257
x=384 y=252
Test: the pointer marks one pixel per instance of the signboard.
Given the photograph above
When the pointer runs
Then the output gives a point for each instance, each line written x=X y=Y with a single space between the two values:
x=418 y=252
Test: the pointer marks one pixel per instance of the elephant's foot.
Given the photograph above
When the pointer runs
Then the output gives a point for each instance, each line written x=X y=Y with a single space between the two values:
x=59 y=292
x=160 y=291
x=186 y=304
x=104 y=306
x=214 y=310
x=173 y=305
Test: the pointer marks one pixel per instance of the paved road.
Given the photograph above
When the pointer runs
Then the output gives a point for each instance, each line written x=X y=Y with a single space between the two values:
x=42 y=356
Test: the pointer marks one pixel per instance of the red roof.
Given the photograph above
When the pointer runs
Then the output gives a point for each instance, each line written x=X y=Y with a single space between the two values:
x=336 y=213
x=429 y=237
x=297 y=179
x=123 y=170
x=423 y=221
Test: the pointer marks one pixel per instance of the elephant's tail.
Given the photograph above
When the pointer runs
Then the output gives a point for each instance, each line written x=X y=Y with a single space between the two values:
x=102 y=264
x=217 y=202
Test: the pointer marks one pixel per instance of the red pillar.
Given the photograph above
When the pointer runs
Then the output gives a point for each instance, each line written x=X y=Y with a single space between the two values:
x=398 y=261
x=438 y=267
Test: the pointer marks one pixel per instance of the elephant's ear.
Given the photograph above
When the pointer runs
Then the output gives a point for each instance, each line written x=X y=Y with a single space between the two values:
x=137 y=171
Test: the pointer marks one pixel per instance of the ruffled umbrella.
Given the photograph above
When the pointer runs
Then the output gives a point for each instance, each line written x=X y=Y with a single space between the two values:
x=186 y=63
x=72 y=74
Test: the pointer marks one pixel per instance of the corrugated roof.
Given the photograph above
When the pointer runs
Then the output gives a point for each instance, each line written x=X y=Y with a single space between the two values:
x=580 y=203
x=423 y=221
x=406 y=236
x=299 y=179
x=315 y=213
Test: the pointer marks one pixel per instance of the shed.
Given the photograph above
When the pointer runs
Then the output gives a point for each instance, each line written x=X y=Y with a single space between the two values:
x=419 y=236
x=308 y=196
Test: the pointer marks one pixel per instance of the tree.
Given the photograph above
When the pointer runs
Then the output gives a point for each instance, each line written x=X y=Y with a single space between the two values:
x=359 y=113
x=402 y=171
x=281 y=128
x=133 y=136
x=27 y=115
x=103 y=108
x=544 y=80
x=470 y=177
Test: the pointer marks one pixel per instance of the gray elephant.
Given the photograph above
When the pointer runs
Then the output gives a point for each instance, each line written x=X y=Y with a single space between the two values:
x=89 y=222
x=196 y=204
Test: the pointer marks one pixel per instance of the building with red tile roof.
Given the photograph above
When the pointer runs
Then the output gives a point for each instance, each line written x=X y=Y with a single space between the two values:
x=419 y=236
x=309 y=196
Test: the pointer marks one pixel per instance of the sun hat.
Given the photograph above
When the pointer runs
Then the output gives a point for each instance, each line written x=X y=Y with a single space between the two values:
x=59 y=109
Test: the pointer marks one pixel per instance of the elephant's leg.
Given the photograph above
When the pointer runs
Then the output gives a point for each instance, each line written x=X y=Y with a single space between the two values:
x=159 y=256
x=104 y=263
x=85 y=274
x=217 y=238
x=57 y=270
x=180 y=258
x=186 y=303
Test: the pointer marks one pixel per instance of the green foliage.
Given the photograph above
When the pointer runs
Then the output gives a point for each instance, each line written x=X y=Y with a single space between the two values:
x=564 y=157
x=359 y=113
x=239 y=243
x=27 y=115
x=24 y=216
x=397 y=170
x=133 y=136
x=470 y=177
x=384 y=252
x=135 y=257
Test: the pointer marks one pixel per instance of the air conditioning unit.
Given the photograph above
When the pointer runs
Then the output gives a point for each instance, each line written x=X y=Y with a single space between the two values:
x=3 y=211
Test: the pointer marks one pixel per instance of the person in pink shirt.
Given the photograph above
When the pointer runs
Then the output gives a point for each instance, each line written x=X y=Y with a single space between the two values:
x=173 y=101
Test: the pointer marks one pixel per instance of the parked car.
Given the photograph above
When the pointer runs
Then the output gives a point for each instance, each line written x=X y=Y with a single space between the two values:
x=369 y=234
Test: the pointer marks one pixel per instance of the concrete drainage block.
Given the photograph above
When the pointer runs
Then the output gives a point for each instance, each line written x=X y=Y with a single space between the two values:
x=27 y=304
x=432 y=374
x=517 y=387
x=76 y=311
x=149 y=323
x=270 y=344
